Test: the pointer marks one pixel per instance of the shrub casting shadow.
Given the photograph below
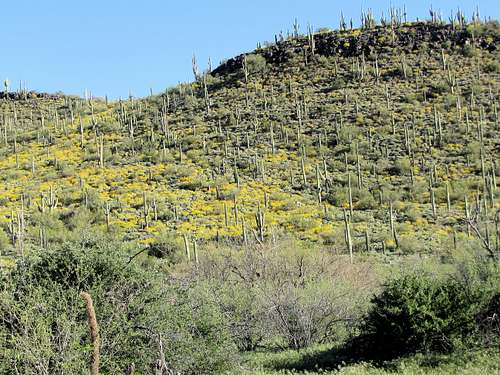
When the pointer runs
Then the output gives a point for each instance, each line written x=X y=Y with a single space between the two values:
x=360 y=349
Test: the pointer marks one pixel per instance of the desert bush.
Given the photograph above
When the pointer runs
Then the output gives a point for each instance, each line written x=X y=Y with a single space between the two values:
x=403 y=166
x=410 y=245
x=364 y=199
x=4 y=242
x=302 y=223
x=91 y=199
x=246 y=326
x=309 y=298
x=194 y=329
x=167 y=245
x=487 y=29
x=79 y=220
x=338 y=83
x=294 y=295
x=337 y=196
x=438 y=88
x=50 y=224
x=418 y=312
x=43 y=326
x=469 y=51
x=256 y=63
x=492 y=67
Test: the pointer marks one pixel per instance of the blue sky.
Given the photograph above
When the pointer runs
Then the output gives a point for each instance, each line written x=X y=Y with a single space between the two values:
x=115 y=47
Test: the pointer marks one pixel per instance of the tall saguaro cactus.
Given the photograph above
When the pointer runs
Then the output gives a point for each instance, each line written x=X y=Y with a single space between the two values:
x=347 y=232
x=260 y=222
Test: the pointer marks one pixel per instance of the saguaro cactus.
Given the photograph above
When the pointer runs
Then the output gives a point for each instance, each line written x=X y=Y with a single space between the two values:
x=196 y=70
x=349 y=191
x=145 y=209
x=260 y=222
x=347 y=233
x=244 y=231
x=303 y=167
x=245 y=68
x=195 y=251
x=367 y=240
x=107 y=212
x=392 y=225
x=186 y=248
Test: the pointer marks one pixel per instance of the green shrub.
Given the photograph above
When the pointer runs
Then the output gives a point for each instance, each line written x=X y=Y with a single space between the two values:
x=4 y=242
x=403 y=166
x=256 y=63
x=167 y=245
x=337 y=196
x=338 y=83
x=287 y=295
x=245 y=316
x=364 y=199
x=417 y=312
x=43 y=325
x=469 y=51
x=492 y=67
x=410 y=245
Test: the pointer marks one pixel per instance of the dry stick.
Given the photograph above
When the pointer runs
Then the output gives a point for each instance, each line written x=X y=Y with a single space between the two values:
x=161 y=367
x=94 y=332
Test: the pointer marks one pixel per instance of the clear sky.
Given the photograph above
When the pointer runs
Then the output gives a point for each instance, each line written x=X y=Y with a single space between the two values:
x=115 y=47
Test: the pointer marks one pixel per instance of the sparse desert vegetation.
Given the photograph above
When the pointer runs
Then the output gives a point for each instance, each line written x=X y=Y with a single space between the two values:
x=323 y=204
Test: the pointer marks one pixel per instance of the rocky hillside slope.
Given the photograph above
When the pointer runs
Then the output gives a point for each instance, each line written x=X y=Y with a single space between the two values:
x=382 y=139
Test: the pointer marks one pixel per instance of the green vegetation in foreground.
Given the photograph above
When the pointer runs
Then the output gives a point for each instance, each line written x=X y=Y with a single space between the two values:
x=463 y=362
x=243 y=309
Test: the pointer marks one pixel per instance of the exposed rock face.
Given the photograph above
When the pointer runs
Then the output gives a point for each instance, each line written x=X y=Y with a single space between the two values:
x=358 y=42
x=27 y=95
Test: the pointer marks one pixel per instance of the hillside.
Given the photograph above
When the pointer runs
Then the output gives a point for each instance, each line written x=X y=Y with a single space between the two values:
x=408 y=115
x=326 y=203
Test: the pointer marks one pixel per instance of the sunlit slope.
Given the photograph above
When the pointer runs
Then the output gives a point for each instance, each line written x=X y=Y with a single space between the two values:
x=392 y=131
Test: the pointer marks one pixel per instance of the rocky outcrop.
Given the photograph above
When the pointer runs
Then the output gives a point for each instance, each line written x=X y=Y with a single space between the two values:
x=28 y=95
x=357 y=42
